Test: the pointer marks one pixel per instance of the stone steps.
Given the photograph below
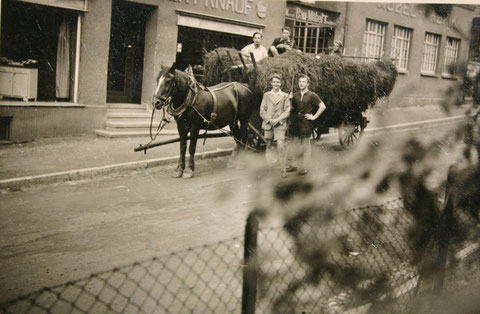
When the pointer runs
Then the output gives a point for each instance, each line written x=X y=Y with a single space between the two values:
x=132 y=120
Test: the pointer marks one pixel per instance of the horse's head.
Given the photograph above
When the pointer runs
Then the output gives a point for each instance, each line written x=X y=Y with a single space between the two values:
x=165 y=85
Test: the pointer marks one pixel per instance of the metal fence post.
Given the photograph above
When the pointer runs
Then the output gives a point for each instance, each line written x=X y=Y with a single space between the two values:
x=444 y=235
x=249 y=292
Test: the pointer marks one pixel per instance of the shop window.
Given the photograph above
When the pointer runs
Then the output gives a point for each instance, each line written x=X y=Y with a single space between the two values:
x=373 y=40
x=430 y=53
x=41 y=37
x=311 y=38
x=451 y=55
x=401 y=46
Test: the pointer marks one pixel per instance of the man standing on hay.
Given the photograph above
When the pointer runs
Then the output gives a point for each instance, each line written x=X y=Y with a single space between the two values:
x=259 y=52
x=306 y=107
x=282 y=44
x=275 y=110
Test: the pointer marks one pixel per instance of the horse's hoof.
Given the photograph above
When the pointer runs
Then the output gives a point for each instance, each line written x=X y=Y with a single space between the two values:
x=187 y=174
x=177 y=173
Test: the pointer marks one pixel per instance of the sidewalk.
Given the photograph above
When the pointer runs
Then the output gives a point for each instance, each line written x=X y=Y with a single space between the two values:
x=67 y=158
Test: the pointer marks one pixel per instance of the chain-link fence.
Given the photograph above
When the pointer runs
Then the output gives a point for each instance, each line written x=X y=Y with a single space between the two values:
x=361 y=260
x=368 y=259
x=205 y=279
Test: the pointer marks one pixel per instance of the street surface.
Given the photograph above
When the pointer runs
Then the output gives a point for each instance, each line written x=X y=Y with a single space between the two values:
x=56 y=233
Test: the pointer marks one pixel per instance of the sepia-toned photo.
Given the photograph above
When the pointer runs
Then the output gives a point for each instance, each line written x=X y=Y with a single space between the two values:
x=239 y=156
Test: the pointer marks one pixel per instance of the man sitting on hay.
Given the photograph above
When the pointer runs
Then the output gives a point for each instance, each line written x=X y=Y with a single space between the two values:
x=259 y=52
x=282 y=44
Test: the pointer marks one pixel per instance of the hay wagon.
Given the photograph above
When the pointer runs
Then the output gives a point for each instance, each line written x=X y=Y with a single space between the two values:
x=348 y=88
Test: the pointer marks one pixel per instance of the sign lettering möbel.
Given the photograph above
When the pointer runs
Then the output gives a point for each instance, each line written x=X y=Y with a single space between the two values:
x=408 y=10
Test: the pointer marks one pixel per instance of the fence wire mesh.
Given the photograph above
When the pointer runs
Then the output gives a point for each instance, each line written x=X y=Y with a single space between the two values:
x=364 y=265
x=205 y=279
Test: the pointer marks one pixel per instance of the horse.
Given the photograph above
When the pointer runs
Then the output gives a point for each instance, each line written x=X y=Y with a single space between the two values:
x=196 y=108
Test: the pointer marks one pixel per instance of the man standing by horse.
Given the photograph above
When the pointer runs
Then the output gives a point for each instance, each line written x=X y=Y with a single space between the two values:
x=274 y=110
x=306 y=107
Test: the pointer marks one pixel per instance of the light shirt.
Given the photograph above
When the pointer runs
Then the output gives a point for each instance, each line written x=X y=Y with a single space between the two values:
x=258 y=53
x=278 y=95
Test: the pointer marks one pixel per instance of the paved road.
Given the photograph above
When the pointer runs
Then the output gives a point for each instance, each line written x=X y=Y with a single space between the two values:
x=52 y=234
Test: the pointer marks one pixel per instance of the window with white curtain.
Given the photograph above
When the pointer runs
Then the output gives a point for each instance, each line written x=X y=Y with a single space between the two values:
x=451 y=54
x=401 y=47
x=430 y=52
x=373 y=40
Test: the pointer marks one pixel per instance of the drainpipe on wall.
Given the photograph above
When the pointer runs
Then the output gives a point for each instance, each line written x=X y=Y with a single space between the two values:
x=77 y=58
x=347 y=5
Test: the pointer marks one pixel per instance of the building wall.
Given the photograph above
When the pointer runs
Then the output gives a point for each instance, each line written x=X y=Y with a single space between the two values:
x=412 y=88
x=149 y=63
x=43 y=120
x=95 y=45
x=162 y=29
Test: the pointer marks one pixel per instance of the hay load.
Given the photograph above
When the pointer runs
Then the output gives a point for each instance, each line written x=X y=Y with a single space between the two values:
x=214 y=72
x=347 y=87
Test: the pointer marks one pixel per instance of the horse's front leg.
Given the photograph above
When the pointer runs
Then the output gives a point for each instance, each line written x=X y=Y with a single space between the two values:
x=236 y=136
x=188 y=173
x=183 y=148
x=243 y=133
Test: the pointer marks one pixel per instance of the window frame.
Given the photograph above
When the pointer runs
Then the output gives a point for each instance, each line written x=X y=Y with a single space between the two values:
x=401 y=45
x=312 y=38
x=448 y=55
x=373 y=37
x=430 y=54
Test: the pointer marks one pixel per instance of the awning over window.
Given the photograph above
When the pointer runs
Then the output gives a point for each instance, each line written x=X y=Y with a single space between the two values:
x=80 y=5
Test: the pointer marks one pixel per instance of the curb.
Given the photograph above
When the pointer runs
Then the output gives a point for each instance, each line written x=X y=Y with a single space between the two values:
x=85 y=173
x=425 y=124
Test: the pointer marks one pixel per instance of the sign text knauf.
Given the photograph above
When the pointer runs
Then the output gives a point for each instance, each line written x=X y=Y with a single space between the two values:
x=235 y=6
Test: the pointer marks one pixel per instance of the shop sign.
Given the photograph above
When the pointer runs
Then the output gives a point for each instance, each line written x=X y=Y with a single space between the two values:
x=310 y=15
x=65 y=4
x=236 y=6
x=408 y=9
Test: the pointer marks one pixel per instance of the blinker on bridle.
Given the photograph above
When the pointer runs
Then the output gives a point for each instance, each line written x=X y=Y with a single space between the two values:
x=169 y=73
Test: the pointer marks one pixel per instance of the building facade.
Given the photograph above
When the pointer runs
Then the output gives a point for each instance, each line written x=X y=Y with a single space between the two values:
x=91 y=53
x=88 y=54
x=422 y=44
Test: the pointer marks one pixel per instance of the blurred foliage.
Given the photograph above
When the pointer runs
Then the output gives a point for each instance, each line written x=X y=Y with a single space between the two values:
x=439 y=181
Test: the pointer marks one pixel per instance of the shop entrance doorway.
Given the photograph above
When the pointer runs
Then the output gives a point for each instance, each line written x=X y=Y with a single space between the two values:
x=191 y=43
x=127 y=43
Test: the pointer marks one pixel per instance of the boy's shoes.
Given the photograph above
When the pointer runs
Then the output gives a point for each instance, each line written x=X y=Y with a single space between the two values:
x=291 y=169
x=284 y=174
x=302 y=172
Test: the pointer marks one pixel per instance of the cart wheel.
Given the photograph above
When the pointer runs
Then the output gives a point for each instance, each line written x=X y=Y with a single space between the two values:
x=349 y=133
x=316 y=134
x=256 y=142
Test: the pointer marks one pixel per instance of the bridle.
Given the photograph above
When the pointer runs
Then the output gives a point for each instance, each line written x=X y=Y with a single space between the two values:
x=165 y=100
